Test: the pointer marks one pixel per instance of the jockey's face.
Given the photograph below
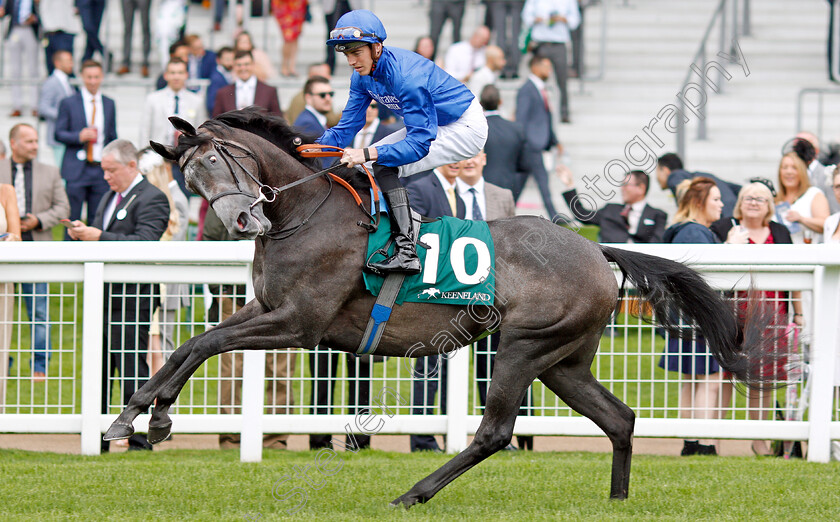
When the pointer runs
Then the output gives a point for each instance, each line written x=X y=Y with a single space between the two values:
x=361 y=58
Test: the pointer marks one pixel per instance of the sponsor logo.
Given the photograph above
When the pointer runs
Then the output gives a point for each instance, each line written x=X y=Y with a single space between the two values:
x=431 y=293
x=468 y=296
x=392 y=102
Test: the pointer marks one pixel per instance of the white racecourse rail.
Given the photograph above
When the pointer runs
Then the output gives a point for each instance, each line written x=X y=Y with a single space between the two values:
x=625 y=364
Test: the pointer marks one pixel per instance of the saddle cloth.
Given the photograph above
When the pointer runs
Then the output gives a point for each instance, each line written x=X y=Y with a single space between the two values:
x=458 y=262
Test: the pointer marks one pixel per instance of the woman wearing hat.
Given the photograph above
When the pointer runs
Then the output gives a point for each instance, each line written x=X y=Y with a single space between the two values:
x=444 y=122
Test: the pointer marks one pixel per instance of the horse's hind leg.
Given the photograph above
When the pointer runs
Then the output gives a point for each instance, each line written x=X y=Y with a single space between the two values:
x=572 y=380
x=511 y=378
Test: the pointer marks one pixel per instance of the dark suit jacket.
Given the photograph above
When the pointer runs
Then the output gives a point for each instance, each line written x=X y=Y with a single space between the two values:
x=613 y=229
x=308 y=124
x=530 y=108
x=11 y=7
x=427 y=197
x=384 y=130
x=217 y=81
x=509 y=155
x=265 y=97
x=207 y=65
x=146 y=218
x=781 y=234
x=71 y=120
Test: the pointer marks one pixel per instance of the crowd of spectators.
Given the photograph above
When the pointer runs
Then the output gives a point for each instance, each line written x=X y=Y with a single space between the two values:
x=131 y=195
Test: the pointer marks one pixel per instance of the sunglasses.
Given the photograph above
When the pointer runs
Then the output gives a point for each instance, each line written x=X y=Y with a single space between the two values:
x=324 y=94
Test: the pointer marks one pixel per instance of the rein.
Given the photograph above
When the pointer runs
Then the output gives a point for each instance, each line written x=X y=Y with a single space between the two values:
x=268 y=194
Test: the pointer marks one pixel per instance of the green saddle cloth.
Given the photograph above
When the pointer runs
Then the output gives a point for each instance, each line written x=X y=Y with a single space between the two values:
x=458 y=266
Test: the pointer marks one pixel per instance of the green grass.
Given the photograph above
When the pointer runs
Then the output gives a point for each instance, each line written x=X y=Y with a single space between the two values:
x=214 y=485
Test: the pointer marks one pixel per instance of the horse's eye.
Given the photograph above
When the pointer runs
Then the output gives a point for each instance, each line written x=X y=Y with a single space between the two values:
x=212 y=159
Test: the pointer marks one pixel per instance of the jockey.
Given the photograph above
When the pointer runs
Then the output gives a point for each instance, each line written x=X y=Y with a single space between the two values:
x=444 y=122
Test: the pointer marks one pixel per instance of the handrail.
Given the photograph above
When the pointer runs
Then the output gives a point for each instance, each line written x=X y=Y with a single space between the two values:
x=800 y=98
x=733 y=30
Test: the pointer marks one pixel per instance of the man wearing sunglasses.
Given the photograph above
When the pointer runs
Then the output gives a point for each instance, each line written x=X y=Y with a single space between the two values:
x=318 y=95
x=444 y=122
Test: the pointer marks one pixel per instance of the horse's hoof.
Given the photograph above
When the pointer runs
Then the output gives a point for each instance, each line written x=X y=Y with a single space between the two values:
x=159 y=433
x=403 y=501
x=119 y=430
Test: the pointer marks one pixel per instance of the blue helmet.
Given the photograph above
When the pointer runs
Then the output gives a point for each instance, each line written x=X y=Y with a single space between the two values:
x=356 y=28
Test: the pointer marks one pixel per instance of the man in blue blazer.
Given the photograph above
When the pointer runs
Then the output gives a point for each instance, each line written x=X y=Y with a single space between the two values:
x=220 y=77
x=318 y=95
x=87 y=121
x=532 y=107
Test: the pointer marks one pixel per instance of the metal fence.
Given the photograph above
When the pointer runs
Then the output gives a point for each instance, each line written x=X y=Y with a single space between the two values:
x=292 y=390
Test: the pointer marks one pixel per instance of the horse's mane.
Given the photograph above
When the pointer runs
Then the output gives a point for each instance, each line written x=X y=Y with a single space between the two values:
x=275 y=130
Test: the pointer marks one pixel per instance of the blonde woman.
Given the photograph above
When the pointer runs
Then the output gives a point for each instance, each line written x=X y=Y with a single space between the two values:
x=799 y=206
x=753 y=213
x=159 y=174
x=10 y=231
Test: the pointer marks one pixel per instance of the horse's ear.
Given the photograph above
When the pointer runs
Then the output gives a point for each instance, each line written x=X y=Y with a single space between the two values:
x=164 y=151
x=182 y=125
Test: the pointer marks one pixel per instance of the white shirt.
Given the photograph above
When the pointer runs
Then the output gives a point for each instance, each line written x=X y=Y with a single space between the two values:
x=462 y=59
x=635 y=217
x=245 y=92
x=98 y=120
x=480 y=79
x=64 y=80
x=545 y=31
x=112 y=205
x=322 y=118
x=365 y=136
x=467 y=196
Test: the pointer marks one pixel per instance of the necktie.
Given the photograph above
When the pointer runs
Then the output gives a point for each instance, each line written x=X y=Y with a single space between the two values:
x=476 y=209
x=92 y=124
x=625 y=215
x=453 y=205
x=20 y=188
x=176 y=104
x=119 y=199
x=545 y=99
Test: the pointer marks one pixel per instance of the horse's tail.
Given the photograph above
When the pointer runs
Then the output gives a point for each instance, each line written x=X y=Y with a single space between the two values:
x=737 y=341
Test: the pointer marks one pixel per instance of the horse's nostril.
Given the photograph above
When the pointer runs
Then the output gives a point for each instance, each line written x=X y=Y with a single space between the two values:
x=242 y=220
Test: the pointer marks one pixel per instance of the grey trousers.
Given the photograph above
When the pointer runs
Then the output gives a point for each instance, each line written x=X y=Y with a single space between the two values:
x=439 y=11
x=128 y=8
x=556 y=52
x=23 y=52
x=507 y=23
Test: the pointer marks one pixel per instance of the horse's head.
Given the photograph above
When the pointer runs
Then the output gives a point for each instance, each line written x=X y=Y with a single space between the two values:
x=224 y=172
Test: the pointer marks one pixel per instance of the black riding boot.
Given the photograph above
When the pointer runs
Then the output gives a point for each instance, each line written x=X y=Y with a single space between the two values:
x=405 y=254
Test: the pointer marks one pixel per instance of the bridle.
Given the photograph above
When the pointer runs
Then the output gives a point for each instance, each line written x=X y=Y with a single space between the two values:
x=268 y=194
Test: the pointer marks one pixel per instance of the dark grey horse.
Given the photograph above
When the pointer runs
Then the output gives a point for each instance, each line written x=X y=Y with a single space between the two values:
x=554 y=295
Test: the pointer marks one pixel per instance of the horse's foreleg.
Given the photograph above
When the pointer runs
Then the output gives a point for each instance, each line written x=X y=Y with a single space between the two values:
x=140 y=401
x=510 y=381
x=572 y=380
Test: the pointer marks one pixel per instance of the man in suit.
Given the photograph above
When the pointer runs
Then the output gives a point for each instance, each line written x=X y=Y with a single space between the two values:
x=42 y=202
x=179 y=50
x=201 y=61
x=87 y=122
x=532 y=108
x=509 y=155
x=221 y=76
x=432 y=196
x=633 y=221
x=59 y=24
x=172 y=100
x=133 y=210
x=91 y=12
x=318 y=95
x=22 y=38
x=56 y=88
x=128 y=8
x=246 y=90
x=817 y=172
x=486 y=202
x=670 y=172
x=506 y=22
x=298 y=102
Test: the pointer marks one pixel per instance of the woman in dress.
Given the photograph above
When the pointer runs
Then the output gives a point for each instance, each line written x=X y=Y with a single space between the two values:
x=799 y=206
x=753 y=212
x=699 y=207
x=10 y=226
x=290 y=15
x=262 y=65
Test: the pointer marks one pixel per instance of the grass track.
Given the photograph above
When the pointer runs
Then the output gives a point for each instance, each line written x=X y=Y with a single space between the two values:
x=203 y=485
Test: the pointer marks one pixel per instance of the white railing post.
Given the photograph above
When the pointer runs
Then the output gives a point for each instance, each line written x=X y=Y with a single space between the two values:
x=253 y=393
x=94 y=285
x=823 y=354
x=457 y=392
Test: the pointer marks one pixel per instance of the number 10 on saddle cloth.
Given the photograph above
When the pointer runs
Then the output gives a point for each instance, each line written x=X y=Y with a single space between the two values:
x=458 y=265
